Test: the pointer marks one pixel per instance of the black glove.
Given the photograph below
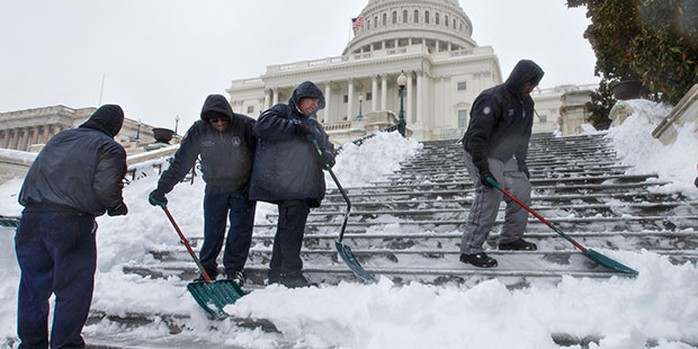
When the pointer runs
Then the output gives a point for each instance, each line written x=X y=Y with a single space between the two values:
x=304 y=129
x=119 y=210
x=327 y=160
x=157 y=198
x=524 y=168
x=483 y=178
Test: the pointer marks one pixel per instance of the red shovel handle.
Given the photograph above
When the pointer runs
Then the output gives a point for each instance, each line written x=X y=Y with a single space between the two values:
x=510 y=196
x=186 y=243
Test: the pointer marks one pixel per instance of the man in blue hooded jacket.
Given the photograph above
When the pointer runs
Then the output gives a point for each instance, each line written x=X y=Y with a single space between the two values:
x=288 y=172
x=496 y=147
x=76 y=177
x=225 y=142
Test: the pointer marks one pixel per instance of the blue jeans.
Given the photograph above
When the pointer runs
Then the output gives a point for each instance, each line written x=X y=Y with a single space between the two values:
x=57 y=254
x=219 y=206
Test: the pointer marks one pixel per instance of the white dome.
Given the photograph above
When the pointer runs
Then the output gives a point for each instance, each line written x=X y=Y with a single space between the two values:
x=388 y=24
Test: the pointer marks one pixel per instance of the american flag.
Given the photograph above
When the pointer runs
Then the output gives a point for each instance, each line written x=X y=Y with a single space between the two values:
x=357 y=22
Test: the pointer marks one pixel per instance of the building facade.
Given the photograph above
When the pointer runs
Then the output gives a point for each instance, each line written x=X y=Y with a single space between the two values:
x=30 y=129
x=430 y=41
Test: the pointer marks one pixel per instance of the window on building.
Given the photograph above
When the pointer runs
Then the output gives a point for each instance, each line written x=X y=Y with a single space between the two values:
x=454 y=24
x=462 y=118
x=394 y=17
x=375 y=21
x=446 y=20
x=385 y=18
x=437 y=18
x=404 y=16
x=462 y=85
x=416 y=16
x=250 y=109
x=346 y=98
x=369 y=96
x=368 y=24
x=426 y=17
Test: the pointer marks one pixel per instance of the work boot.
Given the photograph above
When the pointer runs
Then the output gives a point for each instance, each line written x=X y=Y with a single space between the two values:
x=237 y=277
x=480 y=260
x=295 y=281
x=518 y=245
x=201 y=278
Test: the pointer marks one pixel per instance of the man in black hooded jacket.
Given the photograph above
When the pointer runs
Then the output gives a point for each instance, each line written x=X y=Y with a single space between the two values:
x=288 y=173
x=76 y=177
x=496 y=146
x=225 y=142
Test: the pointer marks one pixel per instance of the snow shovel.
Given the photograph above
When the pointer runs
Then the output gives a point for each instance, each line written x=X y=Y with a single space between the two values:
x=593 y=255
x=343 y=250
x=211 y=295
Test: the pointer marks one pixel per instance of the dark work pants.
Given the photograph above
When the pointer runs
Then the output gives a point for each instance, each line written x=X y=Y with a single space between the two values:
x=56 y=254
x=286 y=254
x=219 y=206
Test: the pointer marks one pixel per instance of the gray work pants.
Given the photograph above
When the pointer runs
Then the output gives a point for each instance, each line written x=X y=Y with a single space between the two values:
x=483 y=213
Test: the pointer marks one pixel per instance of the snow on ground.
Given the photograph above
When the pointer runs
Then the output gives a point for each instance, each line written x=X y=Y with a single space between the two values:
x=660 y=305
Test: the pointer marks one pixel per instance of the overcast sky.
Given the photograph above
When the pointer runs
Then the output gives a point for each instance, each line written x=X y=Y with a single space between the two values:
x=161 y=58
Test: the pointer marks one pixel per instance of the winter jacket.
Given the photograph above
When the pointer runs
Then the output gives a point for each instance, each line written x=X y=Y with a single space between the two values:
x=501 y=119
x=80 y=169
x=226 y=157
x=287 y=165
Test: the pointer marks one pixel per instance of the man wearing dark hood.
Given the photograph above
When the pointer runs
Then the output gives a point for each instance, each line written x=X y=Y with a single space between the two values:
x=496 y=146
x=76 y=177
x=288 y=173
x=225 y=142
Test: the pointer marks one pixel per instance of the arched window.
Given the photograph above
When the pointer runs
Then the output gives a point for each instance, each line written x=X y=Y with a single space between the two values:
x=437 y=19
x=416 y=16
x=368 y=24
x=385 y=18
x=404 y=16
x=394 y=17
x=454 y=24
x=375 y=21
x=446 y=20
x=426 y=17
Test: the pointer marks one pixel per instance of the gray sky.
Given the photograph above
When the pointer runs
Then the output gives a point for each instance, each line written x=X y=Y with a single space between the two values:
x=161 y=58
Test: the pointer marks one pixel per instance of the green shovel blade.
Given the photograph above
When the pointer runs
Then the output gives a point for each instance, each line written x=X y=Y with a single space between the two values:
x=214 y=296
x=610 y=263
x=353 y=263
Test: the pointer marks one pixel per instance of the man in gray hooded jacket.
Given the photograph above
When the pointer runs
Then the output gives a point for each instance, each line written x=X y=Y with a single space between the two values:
x=288 y=172
x=496 y=146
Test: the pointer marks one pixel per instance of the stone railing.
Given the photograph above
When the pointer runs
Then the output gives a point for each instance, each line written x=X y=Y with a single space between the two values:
x=685 y=113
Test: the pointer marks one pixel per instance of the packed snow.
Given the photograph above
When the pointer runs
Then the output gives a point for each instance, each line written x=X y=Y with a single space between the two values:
x=659 y=307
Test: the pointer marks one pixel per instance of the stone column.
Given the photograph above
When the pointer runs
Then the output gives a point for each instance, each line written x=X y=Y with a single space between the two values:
x=374 y=92
x=328 y=97
x=408 y=110
x=419 y=117
x=24 y=145
x=4 y=138
x=350 y=100
x=275 y=99
x=14 y=139
x=35 y=135
x=45 y=135
x=384 y=92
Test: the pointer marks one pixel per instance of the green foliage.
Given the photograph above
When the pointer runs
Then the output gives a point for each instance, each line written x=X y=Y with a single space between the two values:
x=654 y=41
x=600 y=106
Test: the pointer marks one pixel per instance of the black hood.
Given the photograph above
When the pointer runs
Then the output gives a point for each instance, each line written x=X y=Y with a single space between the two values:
x=307 y=89
x=109 y=119
x=525 y=71
x=216 y=105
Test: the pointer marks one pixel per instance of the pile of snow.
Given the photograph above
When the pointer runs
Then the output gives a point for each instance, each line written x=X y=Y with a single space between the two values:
x=659 y=306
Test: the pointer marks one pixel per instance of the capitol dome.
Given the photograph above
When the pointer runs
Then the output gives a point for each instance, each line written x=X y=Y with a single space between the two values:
x=441 y=25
